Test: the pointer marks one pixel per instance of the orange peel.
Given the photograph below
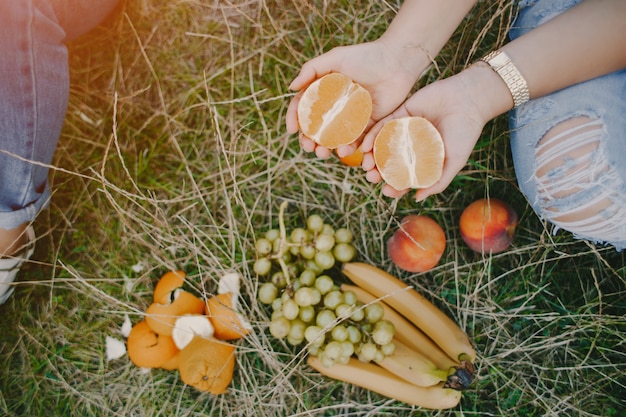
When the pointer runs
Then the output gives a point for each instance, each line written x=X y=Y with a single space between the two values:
x=207 y=364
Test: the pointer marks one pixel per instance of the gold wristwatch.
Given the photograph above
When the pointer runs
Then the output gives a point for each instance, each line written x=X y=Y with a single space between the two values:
x=502 y=64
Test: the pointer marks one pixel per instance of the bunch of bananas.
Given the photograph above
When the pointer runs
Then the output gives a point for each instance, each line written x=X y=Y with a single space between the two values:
x=433 y=357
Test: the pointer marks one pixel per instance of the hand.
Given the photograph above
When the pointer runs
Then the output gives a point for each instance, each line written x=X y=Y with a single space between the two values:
x=456 y=109
x=379 y=66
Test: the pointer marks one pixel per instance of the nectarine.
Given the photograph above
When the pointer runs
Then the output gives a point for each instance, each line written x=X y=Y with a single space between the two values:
x=418 y=244
x=488 y=225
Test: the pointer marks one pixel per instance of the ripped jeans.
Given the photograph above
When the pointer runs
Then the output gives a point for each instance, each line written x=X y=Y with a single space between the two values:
x=569 y=147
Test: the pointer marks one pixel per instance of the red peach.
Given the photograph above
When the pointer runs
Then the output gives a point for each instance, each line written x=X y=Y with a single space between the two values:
x=488 y=225
x=417 y=246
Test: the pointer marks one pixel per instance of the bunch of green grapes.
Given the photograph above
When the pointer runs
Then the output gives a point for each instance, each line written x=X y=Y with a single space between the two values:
x=308 y=307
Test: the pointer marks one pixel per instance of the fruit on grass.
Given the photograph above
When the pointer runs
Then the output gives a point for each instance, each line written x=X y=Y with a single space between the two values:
x=354 y=159
x=188 y=326
x=227 y=322
x=207 y=364
x=406 y=332
x=413 y=366
x=488 y=225
x=418 y=244
x=414 y=307
x=375 y=378
x=165 y=290
x=409 y=153
x=161 y=317
x=148 y=349
x=334 y=110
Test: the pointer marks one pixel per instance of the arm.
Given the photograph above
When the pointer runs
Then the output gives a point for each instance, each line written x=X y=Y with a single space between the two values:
x=584 y=42
x=587 y=41
x=389 y=66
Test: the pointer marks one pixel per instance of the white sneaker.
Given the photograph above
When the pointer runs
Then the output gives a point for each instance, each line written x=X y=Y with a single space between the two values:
x=9 y=267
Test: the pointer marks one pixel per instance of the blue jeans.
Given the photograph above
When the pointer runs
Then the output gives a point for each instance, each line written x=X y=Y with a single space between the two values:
x=568 y=147
x=34 y=91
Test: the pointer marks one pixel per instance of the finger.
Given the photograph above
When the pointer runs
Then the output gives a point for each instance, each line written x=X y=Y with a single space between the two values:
x=346 y=150
x=322 y=152
x=368 y=163
x=373 y=176
x=307 y=144
x=291 y=118
x=391 y=192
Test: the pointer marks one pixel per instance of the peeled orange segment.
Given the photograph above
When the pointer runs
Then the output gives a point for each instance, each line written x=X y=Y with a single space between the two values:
x=409 y=153
x=334 y=110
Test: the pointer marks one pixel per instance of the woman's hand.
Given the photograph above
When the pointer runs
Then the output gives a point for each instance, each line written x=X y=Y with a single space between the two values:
x=379 y=66
x=458 y=109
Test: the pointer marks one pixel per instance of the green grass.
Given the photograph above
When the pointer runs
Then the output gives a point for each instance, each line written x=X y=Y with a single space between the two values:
x=175 y=154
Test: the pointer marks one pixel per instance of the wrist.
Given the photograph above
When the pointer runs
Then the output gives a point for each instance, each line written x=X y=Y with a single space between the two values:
x=487 y=90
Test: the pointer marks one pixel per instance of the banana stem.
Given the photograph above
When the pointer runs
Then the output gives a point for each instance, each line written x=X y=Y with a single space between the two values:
x=461 y=376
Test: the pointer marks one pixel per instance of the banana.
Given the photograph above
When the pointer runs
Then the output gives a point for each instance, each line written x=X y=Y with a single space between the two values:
x=414 y=307
x=413 y=367
x=377 y=379
x=405 y=331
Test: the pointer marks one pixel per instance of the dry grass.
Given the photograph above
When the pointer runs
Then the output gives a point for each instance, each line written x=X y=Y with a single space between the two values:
x=175 y=155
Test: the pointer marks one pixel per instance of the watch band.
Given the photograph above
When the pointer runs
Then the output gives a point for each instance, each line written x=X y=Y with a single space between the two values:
x=502 y=64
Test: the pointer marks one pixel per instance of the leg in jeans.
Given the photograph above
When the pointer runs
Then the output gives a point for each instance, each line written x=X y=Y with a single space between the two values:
x=567 y=148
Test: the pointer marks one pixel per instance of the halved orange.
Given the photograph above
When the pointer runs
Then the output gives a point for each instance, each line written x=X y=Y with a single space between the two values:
x=409 y=153
x=334 y=110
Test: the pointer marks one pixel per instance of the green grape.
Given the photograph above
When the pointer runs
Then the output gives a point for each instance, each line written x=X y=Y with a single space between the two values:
x=347 y=348
x=263 y=247
x=294 y=341
x=388 y=349
x=354 y=334
x=332 y=299
x=358 y=313
x=278 y=279
x=383 y=332
x=344 y=310
x=344 y=252
x=307 y=277
x=325 y=260
x=367 y=352
x=349 y=297
x=294 y=250
x=339 y=333
x=272 y=235
x=378 y=357
x=299 y=236
x=328 y=230
x=343 y=235
x=290 y=309
x=279 y=327
x=262 y=266
x=313 y=266
x=324 y=284
x=324 y=243
x=333 y=350
x=267 y=293
x=307 y=314
x=296 y=331
x=315 y=223
x=313 y=350
x=307 y=251
x=276 y=314
x=314 y=335
x=277 y=305
x=325 y=360
x=325 y=318
x=307 y=296
x=374 y=312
